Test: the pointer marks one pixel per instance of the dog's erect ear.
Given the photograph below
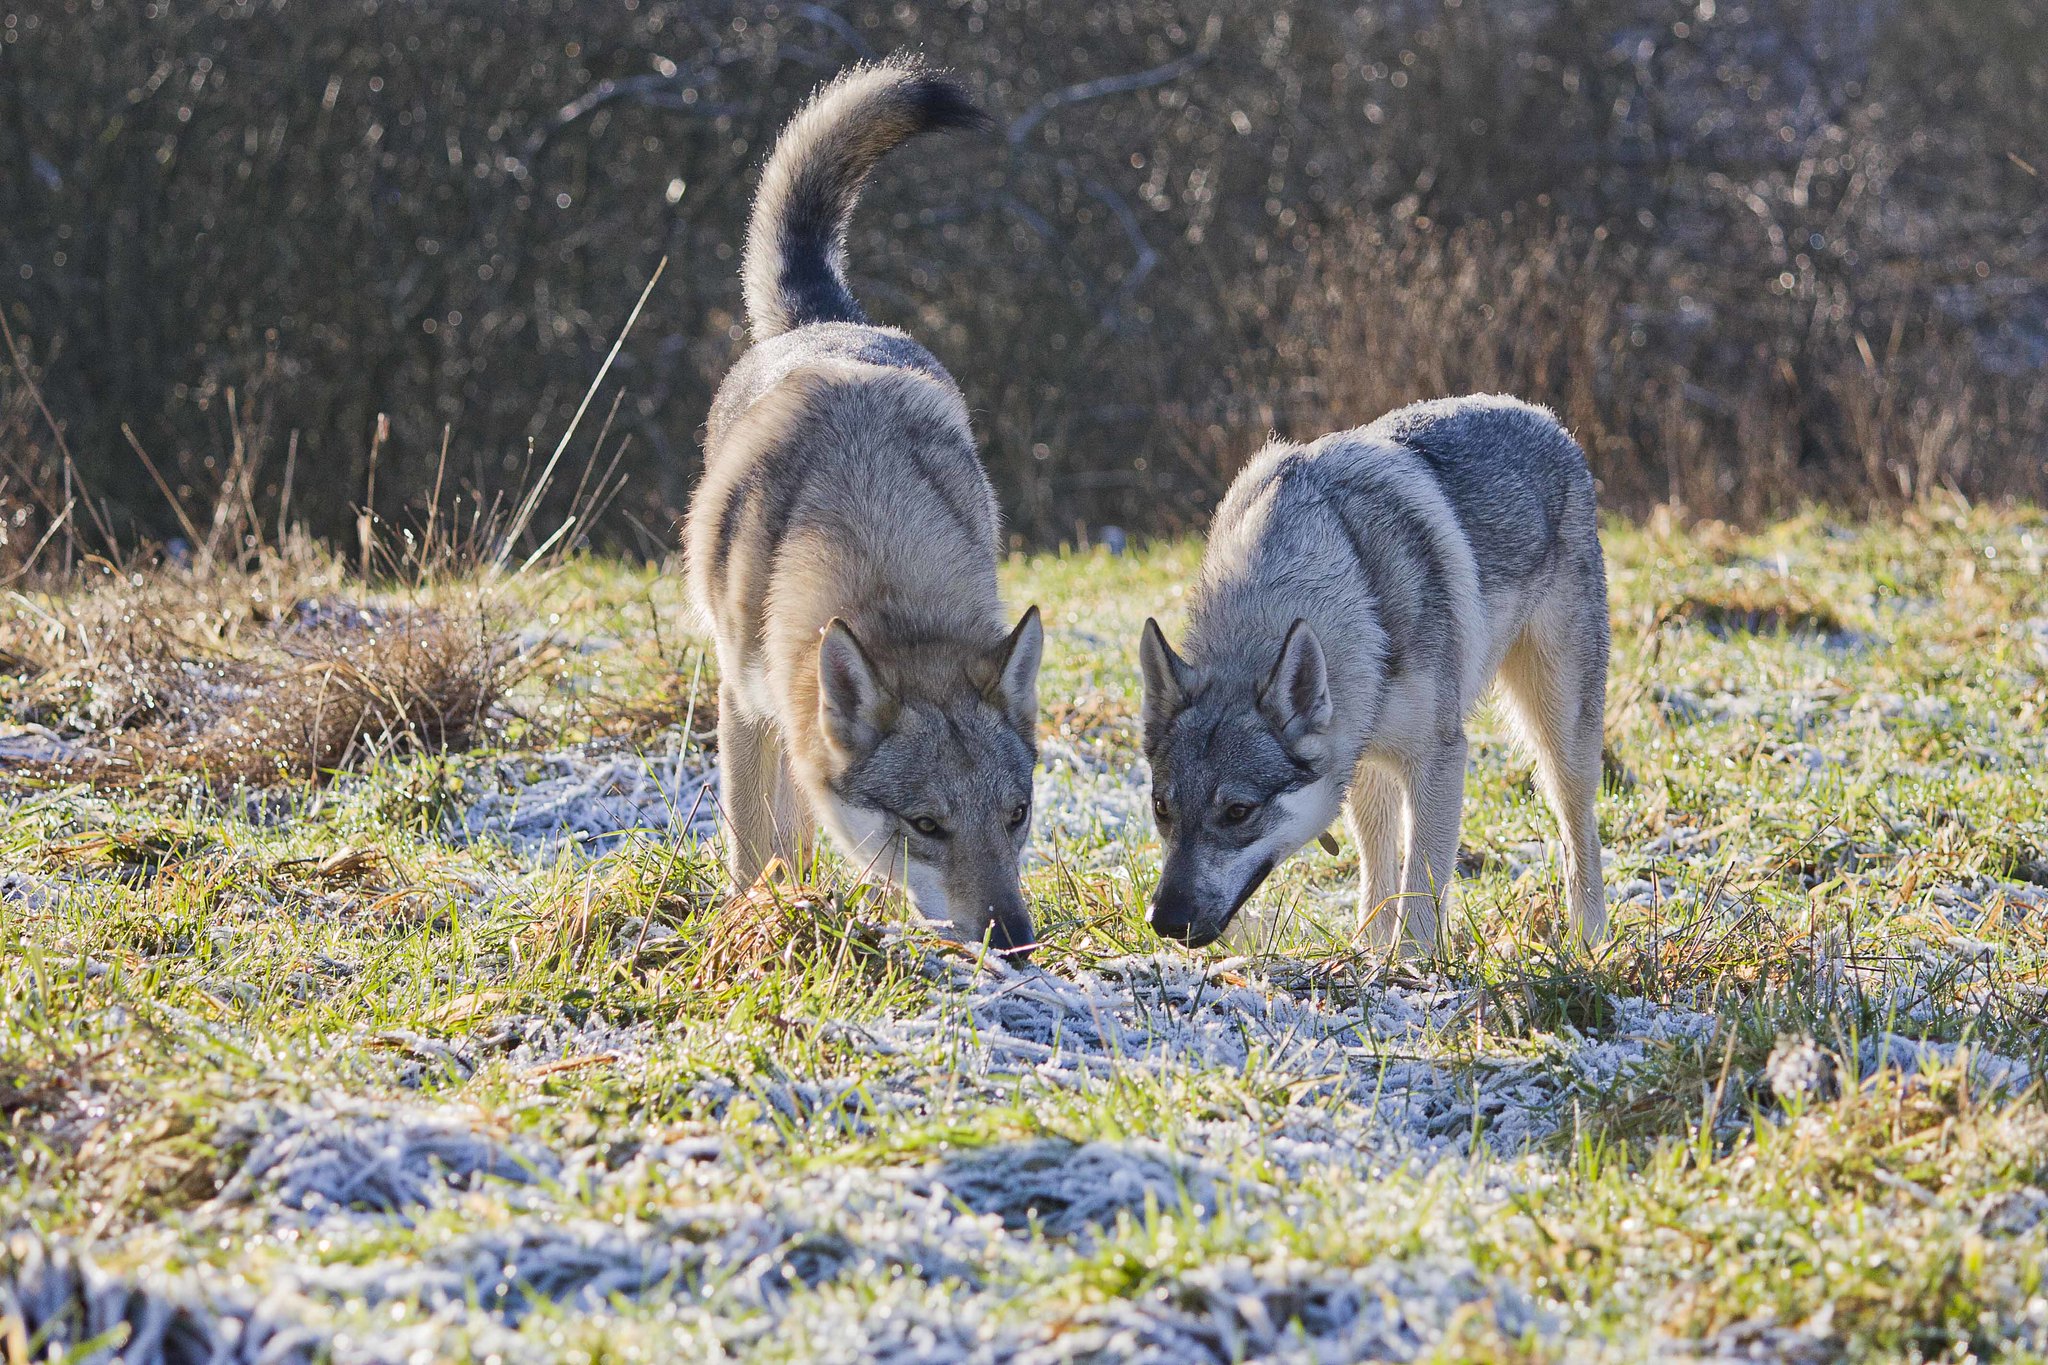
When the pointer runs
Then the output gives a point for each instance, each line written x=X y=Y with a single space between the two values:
x=852 y=706
x=1169 y=681
x=1296 y=698
x=1015 y=687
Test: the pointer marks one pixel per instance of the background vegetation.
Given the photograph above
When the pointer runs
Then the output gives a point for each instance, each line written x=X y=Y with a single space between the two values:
x=1755 y=253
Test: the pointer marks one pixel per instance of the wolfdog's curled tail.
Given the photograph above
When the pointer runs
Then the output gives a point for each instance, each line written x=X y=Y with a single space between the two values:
x=794 y=272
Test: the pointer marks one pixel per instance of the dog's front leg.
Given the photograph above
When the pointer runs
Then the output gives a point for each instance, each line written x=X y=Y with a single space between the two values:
x=1372 y=811
x=1436 y=807
x=749 y=778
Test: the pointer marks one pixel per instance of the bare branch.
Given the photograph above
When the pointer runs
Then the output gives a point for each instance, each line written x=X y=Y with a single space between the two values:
x=654 y=90
x=1116 y=85
x=832 y=19
x=1147 y=256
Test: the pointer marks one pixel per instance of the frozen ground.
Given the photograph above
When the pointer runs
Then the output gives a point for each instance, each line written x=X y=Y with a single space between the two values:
x=478 y=1062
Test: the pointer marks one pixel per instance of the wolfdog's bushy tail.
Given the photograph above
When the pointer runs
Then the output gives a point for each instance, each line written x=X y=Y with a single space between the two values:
x=794 y=271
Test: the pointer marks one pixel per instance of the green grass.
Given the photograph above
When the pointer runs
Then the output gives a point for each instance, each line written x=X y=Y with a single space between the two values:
x=1840 y=822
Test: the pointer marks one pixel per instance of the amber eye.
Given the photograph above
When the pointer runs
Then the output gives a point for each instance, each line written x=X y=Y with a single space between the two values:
x=1159 y=809
x=1017 y=816
x=1236 y=813
x=928 y=827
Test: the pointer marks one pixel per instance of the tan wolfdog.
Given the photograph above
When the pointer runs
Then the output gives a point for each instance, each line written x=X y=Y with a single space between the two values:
x=843 y=545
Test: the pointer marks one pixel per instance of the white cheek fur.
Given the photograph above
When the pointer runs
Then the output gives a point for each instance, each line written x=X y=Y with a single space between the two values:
x=867 y=839
x=1303 y=815
x=928 y=895
x=870 y=842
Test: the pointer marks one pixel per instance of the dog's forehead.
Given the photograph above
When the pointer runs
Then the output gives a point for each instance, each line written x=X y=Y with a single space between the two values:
x=954 y=757
x=1215 y=743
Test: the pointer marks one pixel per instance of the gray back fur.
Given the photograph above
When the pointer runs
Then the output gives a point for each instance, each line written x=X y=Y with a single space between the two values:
x=1514 y=477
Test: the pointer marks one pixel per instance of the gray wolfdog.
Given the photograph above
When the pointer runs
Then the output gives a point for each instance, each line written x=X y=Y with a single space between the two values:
x=1356 y=597
x=843 y=545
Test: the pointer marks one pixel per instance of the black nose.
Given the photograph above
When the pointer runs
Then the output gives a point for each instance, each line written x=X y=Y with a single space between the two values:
x=1172 y=918
x=1010 y=934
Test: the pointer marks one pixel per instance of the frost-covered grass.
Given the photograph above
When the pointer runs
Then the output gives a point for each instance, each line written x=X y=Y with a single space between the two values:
x=475 y=1056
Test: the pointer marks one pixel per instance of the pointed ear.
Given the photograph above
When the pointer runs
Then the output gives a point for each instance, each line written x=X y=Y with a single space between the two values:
x=1169 y=680
x=1296 y=698
x=1015 y=688
x=852 y=707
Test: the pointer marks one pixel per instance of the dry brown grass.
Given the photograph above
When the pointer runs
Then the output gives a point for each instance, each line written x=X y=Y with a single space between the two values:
x=252 y=676
x=683 y=699
x=1088 y=716
x=1761 y=409
x=780 y=924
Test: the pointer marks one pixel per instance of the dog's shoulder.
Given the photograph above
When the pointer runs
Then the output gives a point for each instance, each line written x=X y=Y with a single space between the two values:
x=1513 y=476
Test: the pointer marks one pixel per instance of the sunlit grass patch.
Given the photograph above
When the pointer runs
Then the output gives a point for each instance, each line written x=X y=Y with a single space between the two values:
x=1794 y=1107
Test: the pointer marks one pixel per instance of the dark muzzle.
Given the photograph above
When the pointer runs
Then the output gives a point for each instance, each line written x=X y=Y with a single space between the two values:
x=1179 y=915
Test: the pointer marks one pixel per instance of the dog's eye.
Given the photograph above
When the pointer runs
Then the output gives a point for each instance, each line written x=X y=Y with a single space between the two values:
x=1017 y=816
x=1236 y=813
x=1159 y=809
x=928 y=827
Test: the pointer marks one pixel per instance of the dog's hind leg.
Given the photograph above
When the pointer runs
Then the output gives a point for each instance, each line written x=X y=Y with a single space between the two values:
x=1436 y=810
x=1555 y=674
x=1373 y=812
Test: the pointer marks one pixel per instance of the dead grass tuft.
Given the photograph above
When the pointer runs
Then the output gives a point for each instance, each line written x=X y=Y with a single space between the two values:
x=1774 y=611
x=425 y=683
x=252 y=677
x=133 y=851
x=780 y=923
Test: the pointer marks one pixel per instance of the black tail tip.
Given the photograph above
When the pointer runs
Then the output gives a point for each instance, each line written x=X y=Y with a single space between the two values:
x=943 y=103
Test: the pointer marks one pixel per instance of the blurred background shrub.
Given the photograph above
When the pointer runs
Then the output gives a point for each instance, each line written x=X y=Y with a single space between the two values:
x=1755 y=253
